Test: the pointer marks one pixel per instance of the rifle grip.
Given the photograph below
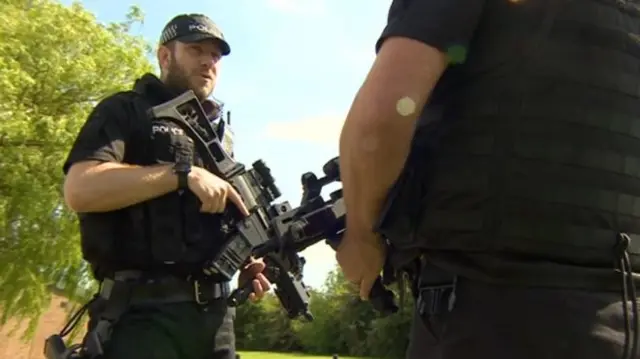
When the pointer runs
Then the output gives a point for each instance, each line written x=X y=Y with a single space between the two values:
x=382 y=299
x=240 y=294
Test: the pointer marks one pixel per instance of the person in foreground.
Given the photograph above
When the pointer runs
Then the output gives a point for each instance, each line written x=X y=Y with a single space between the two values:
x=493 y=152
x=150 y=213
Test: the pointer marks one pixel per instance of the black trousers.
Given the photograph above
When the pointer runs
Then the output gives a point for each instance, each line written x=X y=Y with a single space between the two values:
x=183 y=330
x=503 y=322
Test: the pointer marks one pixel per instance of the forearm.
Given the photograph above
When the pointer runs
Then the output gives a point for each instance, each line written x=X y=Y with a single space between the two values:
x=110 y=186
x=371 y=159
x=377 y=134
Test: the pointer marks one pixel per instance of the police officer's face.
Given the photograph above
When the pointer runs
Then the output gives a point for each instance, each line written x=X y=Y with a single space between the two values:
x=193 y=66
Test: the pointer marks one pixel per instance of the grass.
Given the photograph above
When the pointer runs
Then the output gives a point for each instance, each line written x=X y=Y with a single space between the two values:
x=267 y=355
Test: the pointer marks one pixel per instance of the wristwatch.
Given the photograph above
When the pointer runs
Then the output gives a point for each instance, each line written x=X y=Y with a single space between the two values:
x=182 y=170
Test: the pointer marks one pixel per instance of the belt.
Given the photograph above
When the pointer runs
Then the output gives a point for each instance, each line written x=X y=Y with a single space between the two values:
x=142 y=289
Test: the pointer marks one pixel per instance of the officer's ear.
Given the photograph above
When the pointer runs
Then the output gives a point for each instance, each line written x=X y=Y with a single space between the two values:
x=164 y=57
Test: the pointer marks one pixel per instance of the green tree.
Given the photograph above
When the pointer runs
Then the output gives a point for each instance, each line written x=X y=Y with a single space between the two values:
x=341 y=320
x=388 y=337
x=319 y=336
x=342 y=324
x=265 y=326
x=250 y=324
x=55 y=63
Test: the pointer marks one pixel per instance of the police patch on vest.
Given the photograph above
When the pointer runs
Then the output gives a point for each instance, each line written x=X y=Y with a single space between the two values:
x=166 y=129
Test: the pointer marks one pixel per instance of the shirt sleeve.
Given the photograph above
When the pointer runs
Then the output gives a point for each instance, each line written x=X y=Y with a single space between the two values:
x=447 y=25
x=104 y=134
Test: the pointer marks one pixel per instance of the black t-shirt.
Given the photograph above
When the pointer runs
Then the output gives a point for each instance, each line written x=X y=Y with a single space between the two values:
x=449 y=26
x=114 y=130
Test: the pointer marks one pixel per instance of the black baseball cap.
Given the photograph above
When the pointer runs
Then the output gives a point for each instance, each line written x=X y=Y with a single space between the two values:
x=193 y=28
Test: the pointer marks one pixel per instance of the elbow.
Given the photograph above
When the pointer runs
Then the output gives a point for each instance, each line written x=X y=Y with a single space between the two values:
x=362 y=135
x=77 y=195
x=74 y=197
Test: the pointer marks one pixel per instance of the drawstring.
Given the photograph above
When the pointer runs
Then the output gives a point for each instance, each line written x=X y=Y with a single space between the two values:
x=628 y=293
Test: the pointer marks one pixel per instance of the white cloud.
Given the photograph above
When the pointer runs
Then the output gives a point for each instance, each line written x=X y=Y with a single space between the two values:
x=319 y=130
x=298 y=6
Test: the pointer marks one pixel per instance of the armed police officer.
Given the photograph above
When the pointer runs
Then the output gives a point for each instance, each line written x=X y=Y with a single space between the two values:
x=150 y=214
x=493 y=152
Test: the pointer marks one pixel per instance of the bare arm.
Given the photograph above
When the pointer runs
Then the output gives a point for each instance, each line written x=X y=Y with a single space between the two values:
x=376 y=136
x=96 y=179
x=412 y=56
x=92 y=186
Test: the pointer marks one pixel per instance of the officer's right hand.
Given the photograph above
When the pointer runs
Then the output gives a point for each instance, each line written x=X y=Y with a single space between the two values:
x=213 y=191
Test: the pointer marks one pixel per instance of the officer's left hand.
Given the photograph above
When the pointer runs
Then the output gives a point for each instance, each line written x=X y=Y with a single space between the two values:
x=253 y=272
x=361 y=255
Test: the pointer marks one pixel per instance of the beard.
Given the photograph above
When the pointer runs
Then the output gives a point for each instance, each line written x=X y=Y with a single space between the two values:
x=178 y=81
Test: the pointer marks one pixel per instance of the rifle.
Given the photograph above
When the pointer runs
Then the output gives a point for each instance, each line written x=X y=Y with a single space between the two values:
x=299 y=228
x=275 y=232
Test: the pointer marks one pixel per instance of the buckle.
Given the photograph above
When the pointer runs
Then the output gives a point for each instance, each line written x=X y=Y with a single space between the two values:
x=198 y=293
x=432 y=299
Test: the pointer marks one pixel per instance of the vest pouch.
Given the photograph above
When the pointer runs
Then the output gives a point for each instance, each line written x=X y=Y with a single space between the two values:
x=403 y=207
x=395 y=224
x=100 y=234
x=201 y=229
x=134 y=250
x=166 y=228
x=165 y=214
x=397 y=221
x=402 y=212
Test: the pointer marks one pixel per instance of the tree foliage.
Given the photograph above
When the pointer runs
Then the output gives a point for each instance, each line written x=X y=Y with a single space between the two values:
x=55 y=63
x=343 y=324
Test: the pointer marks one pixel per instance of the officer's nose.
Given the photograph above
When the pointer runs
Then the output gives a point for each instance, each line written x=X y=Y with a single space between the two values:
x=207 y=61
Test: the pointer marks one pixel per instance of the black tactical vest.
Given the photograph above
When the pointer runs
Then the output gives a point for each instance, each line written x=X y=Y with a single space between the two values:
x=167 y=233
x=532 y=145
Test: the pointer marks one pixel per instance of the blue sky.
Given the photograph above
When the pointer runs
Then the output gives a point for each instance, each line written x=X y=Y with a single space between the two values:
x=294 y=68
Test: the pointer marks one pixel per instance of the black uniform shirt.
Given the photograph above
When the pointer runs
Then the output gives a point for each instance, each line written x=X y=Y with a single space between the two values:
x=113 y=131
x=449 y=26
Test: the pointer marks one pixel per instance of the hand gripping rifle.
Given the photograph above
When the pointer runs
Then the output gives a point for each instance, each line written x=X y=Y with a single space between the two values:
x=274 y=232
